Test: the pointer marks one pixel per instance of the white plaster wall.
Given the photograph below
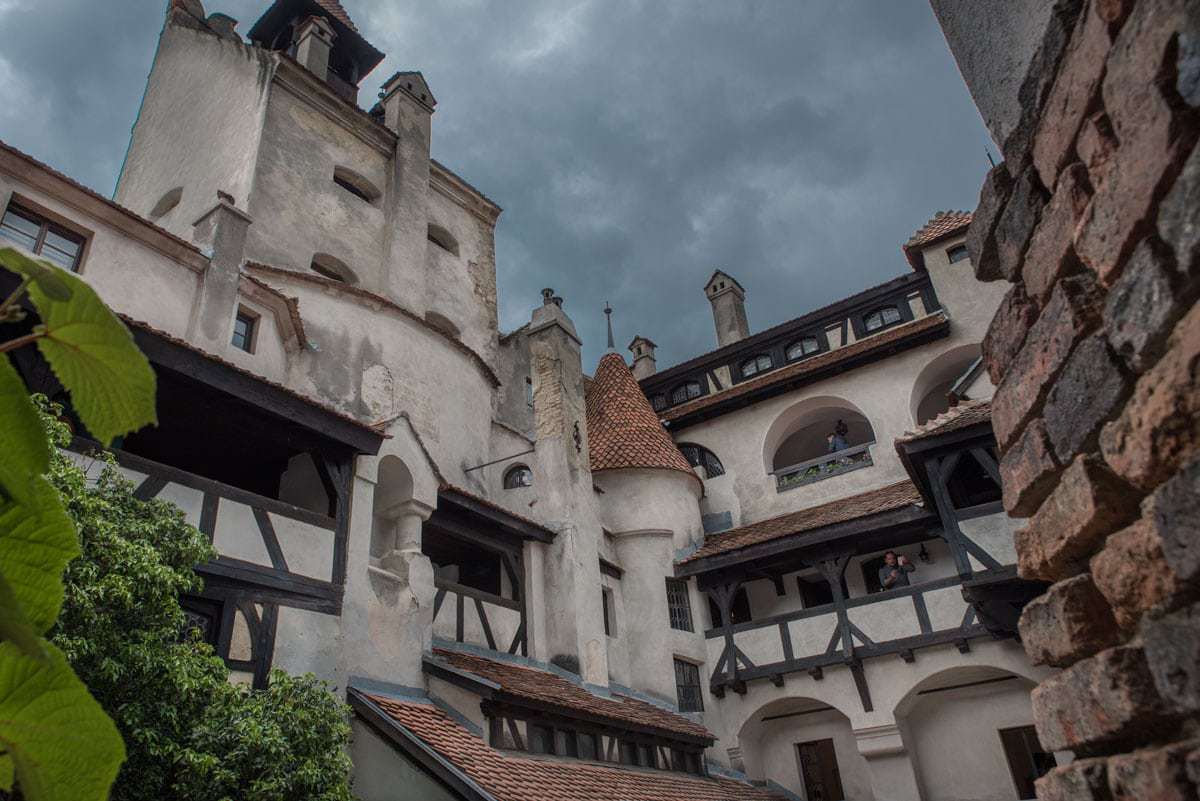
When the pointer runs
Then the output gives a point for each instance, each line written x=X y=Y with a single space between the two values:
x=307 y=642
x=770 y=751
x=970 y=303
x=463 y=287
x=638 y=500
x=993 y=533
x=382 y=774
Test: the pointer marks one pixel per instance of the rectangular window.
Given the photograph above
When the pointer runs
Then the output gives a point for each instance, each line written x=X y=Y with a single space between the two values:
x=42 y=237
x=814 y=592
x=627 y=752
x=243 y=330
x=541 y=739
x=566 y=743
x=819 y=770
x=647 y=757
x=687 y=686
x=587 y=746
x=1027 y=760
x=679 y=605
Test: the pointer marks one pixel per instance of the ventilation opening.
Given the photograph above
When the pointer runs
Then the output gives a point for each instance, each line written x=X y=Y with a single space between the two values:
x=167 y=202
x=355 y=184
x=442 y=238
x=332 y=268
x=442 y=323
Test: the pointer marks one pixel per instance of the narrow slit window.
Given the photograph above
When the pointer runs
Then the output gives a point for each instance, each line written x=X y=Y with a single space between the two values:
x=678 y=605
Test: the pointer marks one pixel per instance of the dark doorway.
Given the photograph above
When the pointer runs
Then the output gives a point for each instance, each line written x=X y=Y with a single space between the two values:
x=819 y=770
x=1027 y=760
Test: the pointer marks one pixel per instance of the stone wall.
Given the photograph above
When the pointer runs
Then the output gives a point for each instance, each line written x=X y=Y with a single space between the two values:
x=1095 y=220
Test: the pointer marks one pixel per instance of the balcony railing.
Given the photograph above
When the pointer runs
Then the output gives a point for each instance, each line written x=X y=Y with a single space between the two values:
x=823 y=467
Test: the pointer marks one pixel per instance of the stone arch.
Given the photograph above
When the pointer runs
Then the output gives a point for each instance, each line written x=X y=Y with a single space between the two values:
x=393 y=489
x=333 y=268
x=928 y=397
x=799 y=432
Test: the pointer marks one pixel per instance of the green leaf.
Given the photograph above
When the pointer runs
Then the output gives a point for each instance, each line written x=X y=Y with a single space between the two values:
x=94 y=356
x=6 y=773
x=37 y=540
x=62 y=745
x=44 y=274
x=22 y=440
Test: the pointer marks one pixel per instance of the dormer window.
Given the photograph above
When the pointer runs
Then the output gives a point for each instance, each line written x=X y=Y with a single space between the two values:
x=686 y=391
x=659 y=402
x=517 y=477
x=957 y=253
x=758 y=364
x=355 y=184
x=881 y=318
x=804 y=347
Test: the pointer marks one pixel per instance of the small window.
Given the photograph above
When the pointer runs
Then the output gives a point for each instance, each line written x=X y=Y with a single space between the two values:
x=628 y=752
x=609 y=611
x=332 y=268
x=442 y=238
x=685 y=392
x=529 y=392
x=586 y=747
x=679 y=605
x=647 y=756
x=244 y=328
x=42 y=237
x=355 y=184
x=880 y=318
x=958 y=253
x=804 y=347
x=699 y=456
x=756 y=365
x=541 y=739
x=687 y=686
x=519 y=476
x=203 y=616
x=659 y=402
x=166 y=203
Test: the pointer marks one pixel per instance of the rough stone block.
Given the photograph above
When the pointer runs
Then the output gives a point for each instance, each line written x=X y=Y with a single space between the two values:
x=1082 y=780
x=1159 y=430
x=1017 y=223
x=1051 y=255
x=1144 y=305
x=1069 y=622
x=1072 y=312
x=1088 y=504
x=1172 y=645
x=1178 y=222
x=1153 y=143
x=1132 y=574
x=981 y=235
x=1075 y=90
x=1087 y=394
x=1028 y=471
x=1175 y=510
x=1159 y=774
x=1096 y=146
x=1103 y=702
x=1007 y=332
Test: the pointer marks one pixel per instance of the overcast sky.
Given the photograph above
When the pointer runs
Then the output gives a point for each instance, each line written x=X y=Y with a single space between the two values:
x=635 y=145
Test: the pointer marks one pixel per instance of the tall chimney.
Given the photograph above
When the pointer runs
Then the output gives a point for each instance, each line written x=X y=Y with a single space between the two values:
x=314 y=40
x=644 y=363
x=728 y=301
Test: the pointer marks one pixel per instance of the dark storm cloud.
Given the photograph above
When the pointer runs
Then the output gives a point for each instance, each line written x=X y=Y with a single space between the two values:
x=635 y=146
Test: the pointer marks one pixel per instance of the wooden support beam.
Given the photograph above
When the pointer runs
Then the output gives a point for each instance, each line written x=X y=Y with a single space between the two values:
x=738 y=686
x=817 y=673
x=963 y=646
x=908 y=655
x=777 y=679
x=860 y=683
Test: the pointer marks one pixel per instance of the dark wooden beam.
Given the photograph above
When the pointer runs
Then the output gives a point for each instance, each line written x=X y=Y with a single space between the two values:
x=860 y=684
x=486 y=512
x=908 y=655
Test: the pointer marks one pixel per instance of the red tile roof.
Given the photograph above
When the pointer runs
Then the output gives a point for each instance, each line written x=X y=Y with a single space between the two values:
x=965 y=414
x=623 y=431
x=446 y=485
x=940 y=226
x=334 y=9
x=865 y=345
x=510 y=777
x=553 y=690
x=885 y=499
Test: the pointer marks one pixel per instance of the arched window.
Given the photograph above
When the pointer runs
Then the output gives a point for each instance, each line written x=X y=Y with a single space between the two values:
x=957 y=253
x=442 y=238
x=332 y=268
x=685 y=392
x=699 y=456
x=757 y=364
x=167 y=202
x=518 y=476
x=803 y=348
x=355 y=184
x=659 y=402
x=881 y=318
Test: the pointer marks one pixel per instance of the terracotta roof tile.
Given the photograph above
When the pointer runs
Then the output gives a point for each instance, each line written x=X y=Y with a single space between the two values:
x=965 y=414
x=446 y=485
x=940 y=226
x=510 y=777
x=866 y=345
x=545 y=687
x=623 y=431
x=334 y=9
x=885 y=499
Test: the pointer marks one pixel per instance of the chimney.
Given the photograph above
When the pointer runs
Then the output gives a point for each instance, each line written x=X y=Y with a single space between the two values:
x=221 y=233
x=728 y=301
x=644 y=363
x=314 y=40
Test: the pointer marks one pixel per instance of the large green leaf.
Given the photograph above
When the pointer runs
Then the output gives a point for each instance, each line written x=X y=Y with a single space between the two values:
x=62 y=745
x=93 y=355
x=37 y=539
x=41 y=272
x=26 y=453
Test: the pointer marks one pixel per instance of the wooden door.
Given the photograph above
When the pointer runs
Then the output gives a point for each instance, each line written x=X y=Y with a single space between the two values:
x=819 y=770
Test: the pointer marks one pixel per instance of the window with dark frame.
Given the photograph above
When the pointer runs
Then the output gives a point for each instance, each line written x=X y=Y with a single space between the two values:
x=881 y=318
x=957 y=253
x=685 y=392
x=687 y=686
x=679 y=605
x=659 y=402
x=243 y=330
x=351 y=188
x=41 y=237
x=804 y=347
x=699 y=456
x=758 y=364
x=541 y=739
x=609 y=611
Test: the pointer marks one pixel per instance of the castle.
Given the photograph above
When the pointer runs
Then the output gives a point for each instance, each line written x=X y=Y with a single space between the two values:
x=779 y=569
